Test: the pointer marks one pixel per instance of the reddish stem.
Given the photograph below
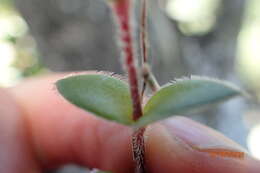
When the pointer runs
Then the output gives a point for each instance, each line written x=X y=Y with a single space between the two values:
x=143 y=30
x=138 y=146
x=143 y=39
x=122 y=10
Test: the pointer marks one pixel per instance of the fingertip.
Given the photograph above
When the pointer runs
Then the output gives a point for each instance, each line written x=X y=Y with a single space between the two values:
x=164 y=154
x=168 y=149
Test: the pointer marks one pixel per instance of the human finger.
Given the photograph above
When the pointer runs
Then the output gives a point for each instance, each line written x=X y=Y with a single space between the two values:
x=184 y=146
x=62 y=133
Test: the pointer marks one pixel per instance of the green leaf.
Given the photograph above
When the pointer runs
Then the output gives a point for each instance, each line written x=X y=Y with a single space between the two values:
x=185 y=95
x=100 y=94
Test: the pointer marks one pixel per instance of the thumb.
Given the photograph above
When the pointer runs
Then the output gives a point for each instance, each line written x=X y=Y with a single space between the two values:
x=184 y=146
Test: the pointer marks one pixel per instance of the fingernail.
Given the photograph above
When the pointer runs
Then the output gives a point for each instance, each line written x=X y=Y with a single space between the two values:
x=202 y=138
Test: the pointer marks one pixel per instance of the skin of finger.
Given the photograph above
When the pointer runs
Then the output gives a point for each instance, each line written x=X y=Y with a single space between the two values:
x=15 y=152
x=166 y=152
x=62 y=133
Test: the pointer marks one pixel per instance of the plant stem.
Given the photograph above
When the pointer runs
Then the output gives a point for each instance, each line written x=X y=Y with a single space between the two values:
x=149 y=78
x=139 y=150
x=144 y=30
x=122 y=10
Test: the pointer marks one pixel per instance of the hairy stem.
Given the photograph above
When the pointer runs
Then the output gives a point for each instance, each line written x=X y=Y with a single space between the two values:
x=149 y=78
x=139 y=150
x=122 y=10
x=144 y=50
x=144 y=30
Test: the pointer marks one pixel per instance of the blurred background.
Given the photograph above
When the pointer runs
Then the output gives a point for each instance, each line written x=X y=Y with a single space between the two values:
x=217 y=38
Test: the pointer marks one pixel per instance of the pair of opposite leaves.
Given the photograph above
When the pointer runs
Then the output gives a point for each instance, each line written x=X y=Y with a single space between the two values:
x=108 y=97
